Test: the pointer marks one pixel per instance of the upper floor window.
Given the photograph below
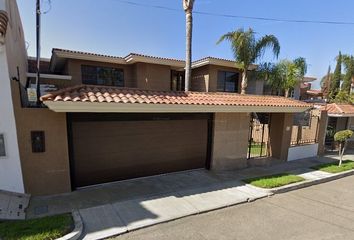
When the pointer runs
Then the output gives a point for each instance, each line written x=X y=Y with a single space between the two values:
x=227 y=81
x=177 y=81
x=102 y=76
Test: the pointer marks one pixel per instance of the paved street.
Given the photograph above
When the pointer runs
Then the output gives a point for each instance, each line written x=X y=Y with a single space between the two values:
x=324 y=211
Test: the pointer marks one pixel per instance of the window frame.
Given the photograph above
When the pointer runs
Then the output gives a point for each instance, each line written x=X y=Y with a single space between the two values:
x=180 y=83
x=97 y=72
x=224 y=73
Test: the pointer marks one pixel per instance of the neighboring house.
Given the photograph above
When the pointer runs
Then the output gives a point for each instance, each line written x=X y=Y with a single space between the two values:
x=11 y=47
x=114 y=118
x=303 y=90
x=340 y=117
x=313 y=94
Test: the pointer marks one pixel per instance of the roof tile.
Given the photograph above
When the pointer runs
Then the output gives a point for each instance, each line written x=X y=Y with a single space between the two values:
x=103 y=94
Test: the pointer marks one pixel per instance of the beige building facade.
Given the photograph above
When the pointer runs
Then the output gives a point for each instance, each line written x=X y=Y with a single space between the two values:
x=110 y=110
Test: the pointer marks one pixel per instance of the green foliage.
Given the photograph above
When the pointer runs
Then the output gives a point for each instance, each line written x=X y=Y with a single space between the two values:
x=344 y=97
x=334 y=168
x=37 y=229
x=324 y=79
x=269 y=72
x=301 y=65
x=284 y=75
x=343 y=136
x=247 y=49
x=348 y=62
x=337 y=76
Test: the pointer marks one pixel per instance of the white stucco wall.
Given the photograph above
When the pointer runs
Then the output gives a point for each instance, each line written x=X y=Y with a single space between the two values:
x=304 y=151
x=10 y=166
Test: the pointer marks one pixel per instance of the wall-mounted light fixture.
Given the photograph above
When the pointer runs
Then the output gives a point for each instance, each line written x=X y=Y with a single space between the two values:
x=3 y=26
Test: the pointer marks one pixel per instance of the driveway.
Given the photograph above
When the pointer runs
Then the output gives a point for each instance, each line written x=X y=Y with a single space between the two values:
x=324 y=211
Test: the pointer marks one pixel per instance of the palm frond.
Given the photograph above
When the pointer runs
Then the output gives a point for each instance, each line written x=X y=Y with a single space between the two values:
x=267 y=41
x=300 y=62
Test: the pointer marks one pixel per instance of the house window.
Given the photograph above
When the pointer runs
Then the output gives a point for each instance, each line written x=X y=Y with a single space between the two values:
x=2 y=146
x=177 y=81
x=227 y=81
x=102 y=76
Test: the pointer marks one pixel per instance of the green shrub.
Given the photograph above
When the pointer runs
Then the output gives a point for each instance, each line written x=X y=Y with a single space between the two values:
x=343 y=136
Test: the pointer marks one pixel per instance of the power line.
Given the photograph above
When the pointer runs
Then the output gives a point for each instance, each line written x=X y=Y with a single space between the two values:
x=237 y=16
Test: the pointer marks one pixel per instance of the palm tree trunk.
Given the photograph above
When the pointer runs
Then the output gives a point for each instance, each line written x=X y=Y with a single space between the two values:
x=287 y=92
x=189 y=27
x=244 y=82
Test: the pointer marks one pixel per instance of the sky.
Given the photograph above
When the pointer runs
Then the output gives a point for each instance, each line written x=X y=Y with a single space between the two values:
x=115 y=27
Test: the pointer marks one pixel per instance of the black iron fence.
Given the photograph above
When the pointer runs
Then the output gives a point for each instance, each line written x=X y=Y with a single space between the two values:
x=258 y=136
x=307 y=131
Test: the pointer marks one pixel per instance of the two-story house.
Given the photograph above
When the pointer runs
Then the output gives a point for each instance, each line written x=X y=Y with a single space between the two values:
x=112 y=118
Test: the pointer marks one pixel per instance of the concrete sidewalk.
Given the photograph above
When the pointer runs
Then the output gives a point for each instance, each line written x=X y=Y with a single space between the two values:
x=13 y=205
x=116 y=208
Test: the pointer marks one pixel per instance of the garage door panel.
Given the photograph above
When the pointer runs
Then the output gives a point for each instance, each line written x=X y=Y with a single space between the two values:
x=111 y=151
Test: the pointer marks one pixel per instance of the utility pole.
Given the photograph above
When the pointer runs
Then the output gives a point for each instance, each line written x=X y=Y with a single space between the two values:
x=38 y=43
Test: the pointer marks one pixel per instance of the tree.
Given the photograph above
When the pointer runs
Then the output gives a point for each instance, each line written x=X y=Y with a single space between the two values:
x=270 y=74
x=337 y=76
x=342 y=138
x=326 y=83
x=344 y=97
x=188 y=9
x=248 y=50
x=348 y=62
x=289 y=73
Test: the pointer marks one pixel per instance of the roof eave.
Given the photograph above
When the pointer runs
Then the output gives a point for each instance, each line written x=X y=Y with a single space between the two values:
x=132 y=58
x=61 y=106
x=219 y=62
x=61 y=55
x=338 y=115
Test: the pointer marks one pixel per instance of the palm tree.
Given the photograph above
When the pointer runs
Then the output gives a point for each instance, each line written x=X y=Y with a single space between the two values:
x=291 y=73
x=188 y=9
x=247 y=49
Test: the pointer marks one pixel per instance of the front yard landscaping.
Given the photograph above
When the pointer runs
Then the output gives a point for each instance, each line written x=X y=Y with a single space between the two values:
x=46 y=228
x=274 y=181
x=334 y=168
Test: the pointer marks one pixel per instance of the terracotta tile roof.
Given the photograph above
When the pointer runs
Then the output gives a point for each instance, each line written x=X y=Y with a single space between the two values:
x=104 y=94
x=339 y=109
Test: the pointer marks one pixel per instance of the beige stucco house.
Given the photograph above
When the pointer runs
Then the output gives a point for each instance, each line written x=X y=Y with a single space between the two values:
x=107 y=118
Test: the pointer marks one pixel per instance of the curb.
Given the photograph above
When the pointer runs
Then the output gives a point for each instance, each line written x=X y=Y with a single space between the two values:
x=76 y=233
x=309 y=183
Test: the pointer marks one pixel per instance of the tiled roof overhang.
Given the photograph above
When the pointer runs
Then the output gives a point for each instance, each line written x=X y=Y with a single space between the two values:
x=339 y=110
x=88 y=98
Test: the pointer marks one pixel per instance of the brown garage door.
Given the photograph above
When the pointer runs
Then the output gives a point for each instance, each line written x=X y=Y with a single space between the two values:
x=106 y=151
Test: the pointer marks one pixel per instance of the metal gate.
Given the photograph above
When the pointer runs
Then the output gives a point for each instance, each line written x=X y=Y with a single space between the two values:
x=258 y=139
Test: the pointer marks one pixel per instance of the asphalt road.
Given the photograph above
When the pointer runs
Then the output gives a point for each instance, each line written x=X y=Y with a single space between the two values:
x=324 y=211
